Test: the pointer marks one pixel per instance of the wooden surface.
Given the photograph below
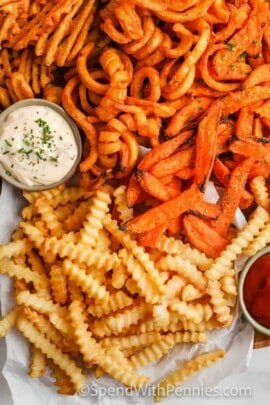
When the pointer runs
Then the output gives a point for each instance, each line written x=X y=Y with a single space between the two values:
x=261 y=340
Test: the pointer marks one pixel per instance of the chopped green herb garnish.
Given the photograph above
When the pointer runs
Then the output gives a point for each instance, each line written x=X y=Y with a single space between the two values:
x=243 y=57
x=53 y=159
x=8 y=173
x=231 y=46
x=7 y=142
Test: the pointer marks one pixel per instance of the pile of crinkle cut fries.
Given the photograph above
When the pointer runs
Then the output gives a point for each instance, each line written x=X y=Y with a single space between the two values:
x=114 y=273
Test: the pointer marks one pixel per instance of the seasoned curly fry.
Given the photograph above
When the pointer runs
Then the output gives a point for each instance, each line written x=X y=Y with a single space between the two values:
x=51 y=351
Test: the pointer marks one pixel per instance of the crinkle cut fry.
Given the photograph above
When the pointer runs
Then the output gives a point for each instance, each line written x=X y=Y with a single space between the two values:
x=8 y=321
x=187 y=370
x=137 y=251
x=116 y=365
x=89 y=347
x=37 y=367
x=248 y=233
x=51 y=351
x=99 y=206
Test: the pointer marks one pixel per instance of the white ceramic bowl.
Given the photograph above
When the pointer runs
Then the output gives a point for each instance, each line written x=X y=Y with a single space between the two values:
x=74 y=128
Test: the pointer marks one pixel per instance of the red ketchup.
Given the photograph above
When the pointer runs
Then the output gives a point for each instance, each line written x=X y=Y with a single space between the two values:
x=257 y=290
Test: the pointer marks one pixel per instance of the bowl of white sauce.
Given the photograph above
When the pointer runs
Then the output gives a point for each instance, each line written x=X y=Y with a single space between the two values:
x=40 y=145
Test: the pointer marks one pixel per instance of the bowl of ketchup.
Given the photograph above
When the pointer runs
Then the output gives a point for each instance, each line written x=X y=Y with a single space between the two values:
x=254 y=291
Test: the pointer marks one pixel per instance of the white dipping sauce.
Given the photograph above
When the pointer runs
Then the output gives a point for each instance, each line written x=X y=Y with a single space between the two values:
x=37 y=146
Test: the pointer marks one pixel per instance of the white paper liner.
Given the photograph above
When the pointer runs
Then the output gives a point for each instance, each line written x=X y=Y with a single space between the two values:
x=237 y=341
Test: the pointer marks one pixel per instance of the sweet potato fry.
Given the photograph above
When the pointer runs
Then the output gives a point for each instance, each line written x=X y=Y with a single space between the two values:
x=189 y=200
x=244 y=123
x=151 y=238
x=259 y=148
x=206 y=144
x=185 y=173
x=174 y=188
x=264 y=110
x=232 y=196
x=152 y=185
x=204 y=237
x=175 y=226
x=174 y=163
x=259 y=169
x=222 y=173
x=246 y=200
x=240 y=99
x=167 y=179
x=163 y=151
x=135 y=193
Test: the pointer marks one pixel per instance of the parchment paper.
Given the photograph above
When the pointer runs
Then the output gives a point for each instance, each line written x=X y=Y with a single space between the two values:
x=14 y=355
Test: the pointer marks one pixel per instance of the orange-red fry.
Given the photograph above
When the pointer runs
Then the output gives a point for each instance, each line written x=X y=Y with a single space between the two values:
x=174 y=188
x=134 y=191
x=257 y=148
x=244 y=123
x=174 y=163
x=186 y=173
x=232 y=196
x=259 y=169
x=163 y=151
x=175 y=226
x=206 y=144
x=204 y=237
x=151 y=238
x=152 y=185
x=188 y=200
